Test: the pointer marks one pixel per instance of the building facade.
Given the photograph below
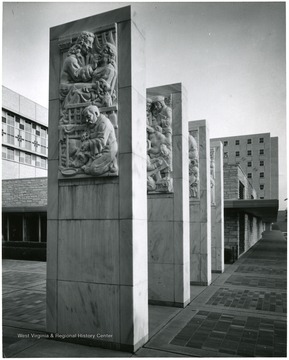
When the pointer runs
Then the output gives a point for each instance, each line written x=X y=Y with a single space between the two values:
x=257 y=155
x=24 y=137
x=245 y=216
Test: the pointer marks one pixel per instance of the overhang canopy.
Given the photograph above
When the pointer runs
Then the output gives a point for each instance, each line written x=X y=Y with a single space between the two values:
x=266 y=209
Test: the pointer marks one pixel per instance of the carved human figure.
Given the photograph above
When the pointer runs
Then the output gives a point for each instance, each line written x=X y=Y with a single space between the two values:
x=193 y=167
x=159 y=149
x=97 y=153
x=105 y=72
x=86 y=76
x=212 y=174
x=148 y=112
x=162 y=116
x=76 y=67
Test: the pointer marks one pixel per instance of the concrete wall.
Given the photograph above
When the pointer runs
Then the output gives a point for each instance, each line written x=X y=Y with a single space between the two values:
x=24 y=107
x=16 y=170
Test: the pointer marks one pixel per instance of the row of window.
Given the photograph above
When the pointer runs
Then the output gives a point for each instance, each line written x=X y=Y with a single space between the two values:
x=249 y=153
x=261 y=175
x=24 y=157
x=261 y=163
x=24 y=134
x=249 y=141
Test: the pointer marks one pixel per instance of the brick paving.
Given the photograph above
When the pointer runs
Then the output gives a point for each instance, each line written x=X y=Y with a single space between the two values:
x=254 y=281
x=234 y=334
x=250 y=299
x=262 y=270
x=242 y=313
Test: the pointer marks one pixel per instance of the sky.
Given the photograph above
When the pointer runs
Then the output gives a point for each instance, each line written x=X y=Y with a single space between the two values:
x=230 y=57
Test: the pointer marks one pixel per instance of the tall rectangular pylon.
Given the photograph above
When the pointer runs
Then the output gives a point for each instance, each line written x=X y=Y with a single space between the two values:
x=168 y=196
x=97 y=288
x=200 y=203
x=217 y=206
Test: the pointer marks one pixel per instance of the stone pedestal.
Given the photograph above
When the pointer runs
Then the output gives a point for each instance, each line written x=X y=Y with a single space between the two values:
x=97 y=289
x=168 y=198
x=200 y=203
x=217 y=206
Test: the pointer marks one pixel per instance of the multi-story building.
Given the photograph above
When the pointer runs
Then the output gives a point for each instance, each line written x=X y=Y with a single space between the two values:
x=24 y=174
x=24 y=137
x=257 y=155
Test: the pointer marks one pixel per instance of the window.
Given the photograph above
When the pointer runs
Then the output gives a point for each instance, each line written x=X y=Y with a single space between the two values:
x=237 y=142
x=226 y=155
x=249 y=175
x=21 y=157
x=261 y=197
x=261 y=174
x=249 y=152
x=27 y=140
x=237 y=153
x=225 y=143
x=249 y=164
x=16 y=155
x=261 y=152
x=38 y=159
x=4 y=153
x=261 y=140
x=10 y=119
x=43 y=132
x=249 y=141
x=241 y=190
x=261 y=163
x=27 y=158
x=3 y=119
x=43 y=150
x=262 y=187
x=10 y=153
x=27 y=126
x=43 y=163
x=10 y=134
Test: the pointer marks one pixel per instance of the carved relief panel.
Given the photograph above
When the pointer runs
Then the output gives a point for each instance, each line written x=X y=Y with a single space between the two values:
x=194 y=177
x=159 y=145
x=212 y=174
x=88 y=96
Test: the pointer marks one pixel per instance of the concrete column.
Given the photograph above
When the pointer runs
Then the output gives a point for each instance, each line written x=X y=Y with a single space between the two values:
x=97 y=226
x=200 y=205
x=168 y=212
x=217 y=207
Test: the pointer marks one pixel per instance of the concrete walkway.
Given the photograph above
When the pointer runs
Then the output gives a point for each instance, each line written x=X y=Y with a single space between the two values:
x=243 y=313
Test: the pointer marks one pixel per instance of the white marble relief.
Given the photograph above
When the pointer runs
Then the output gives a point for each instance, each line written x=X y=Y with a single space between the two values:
x=159 y=145
x=212 y=174
x=88 y=99
x=194 y=164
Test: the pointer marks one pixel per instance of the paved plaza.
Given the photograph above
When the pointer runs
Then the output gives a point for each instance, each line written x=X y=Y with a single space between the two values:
x=242 y=313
